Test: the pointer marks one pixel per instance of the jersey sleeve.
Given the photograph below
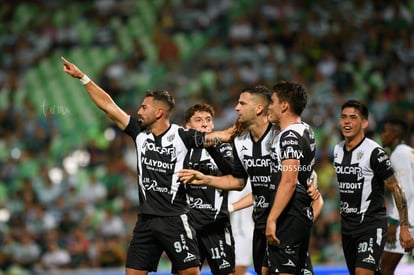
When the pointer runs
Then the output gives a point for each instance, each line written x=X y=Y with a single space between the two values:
x=133 y=128
x=223 y=157
x=192 y=138
x=238 y=169
x=381 y=164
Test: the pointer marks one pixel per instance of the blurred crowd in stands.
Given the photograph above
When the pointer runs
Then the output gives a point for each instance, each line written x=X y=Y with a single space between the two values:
x=54 y=217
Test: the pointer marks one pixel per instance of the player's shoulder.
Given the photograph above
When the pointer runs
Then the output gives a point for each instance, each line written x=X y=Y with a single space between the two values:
x=402 y=151
x=370 y=143
x=296 y=129
x=339 y=146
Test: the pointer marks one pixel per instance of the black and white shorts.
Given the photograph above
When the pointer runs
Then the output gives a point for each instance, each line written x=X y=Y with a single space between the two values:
x=365 y=249
x=216 y=245
x=291 y=256
x=153 y=235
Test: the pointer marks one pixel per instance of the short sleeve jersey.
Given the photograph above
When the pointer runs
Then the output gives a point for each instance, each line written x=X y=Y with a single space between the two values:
x=207 y=204
x=254 y=160
x=159 y=158
x=402 y=161
x=361 y=173
x=297 y=141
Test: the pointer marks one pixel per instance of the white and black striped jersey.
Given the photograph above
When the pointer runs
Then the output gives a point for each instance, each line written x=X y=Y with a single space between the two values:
x=361 y=173
x=208 y=204
x=297 y=141
x=402 y=161
x=159 y=158
x=254 y=160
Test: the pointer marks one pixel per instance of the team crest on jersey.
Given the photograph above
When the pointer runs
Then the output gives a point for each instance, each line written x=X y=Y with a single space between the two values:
x=359 y=155
x=171 y=137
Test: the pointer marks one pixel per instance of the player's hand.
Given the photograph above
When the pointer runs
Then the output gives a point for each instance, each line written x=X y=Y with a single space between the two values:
x=313 y=192
x=406 y=239
x=71 y=68
x=391 y=236
x=189 y=176
x=271 y=233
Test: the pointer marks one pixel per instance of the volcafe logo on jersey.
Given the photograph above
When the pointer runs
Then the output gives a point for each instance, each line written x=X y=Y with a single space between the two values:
x=150 y=146
x=262 y=162
x=348 y=170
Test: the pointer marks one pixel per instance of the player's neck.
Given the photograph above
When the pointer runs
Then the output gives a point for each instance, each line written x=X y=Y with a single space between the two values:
x=160 y=127
x=289 y=120
x=351 y=142
x=258 y=128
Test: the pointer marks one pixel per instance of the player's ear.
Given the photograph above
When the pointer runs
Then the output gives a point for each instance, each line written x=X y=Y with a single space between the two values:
x=159 y=113
x=365 y=123
x=259 y=109
x=284 y=106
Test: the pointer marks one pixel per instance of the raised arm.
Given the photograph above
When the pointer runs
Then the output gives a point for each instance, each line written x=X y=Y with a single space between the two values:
x=406 y=238
x=101 y=98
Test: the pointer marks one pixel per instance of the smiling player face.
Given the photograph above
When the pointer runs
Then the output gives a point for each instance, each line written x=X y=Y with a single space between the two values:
x=352 y=124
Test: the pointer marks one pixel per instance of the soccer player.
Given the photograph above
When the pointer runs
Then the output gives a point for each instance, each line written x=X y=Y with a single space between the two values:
x=362 y=167
x=290 y=219
x=393 y=137
x=209 y=206
x=162 y=223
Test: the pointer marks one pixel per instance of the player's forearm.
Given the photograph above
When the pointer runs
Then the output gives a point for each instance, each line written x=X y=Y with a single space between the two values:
x=243 y=203
x=217 y=137
x=101 y=98
x=283 y=195
x=399 y=198
x=401 y=203
x=227 y=182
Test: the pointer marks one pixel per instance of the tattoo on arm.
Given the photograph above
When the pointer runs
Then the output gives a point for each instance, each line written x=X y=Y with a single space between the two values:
x=242 y=182
x=400 y=200
x=212 y=141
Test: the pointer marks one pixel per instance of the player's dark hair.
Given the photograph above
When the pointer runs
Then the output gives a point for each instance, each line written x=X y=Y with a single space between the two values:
x=361 y=107
x=163 y=96
x=259 y=90
x=294 y=93
x=199 y=107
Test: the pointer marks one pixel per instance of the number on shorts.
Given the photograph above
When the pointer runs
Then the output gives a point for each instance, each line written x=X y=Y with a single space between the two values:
x=362 y=247
x=178 y=247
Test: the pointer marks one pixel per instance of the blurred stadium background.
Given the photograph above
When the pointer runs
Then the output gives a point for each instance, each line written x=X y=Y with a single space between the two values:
x=68 y=197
